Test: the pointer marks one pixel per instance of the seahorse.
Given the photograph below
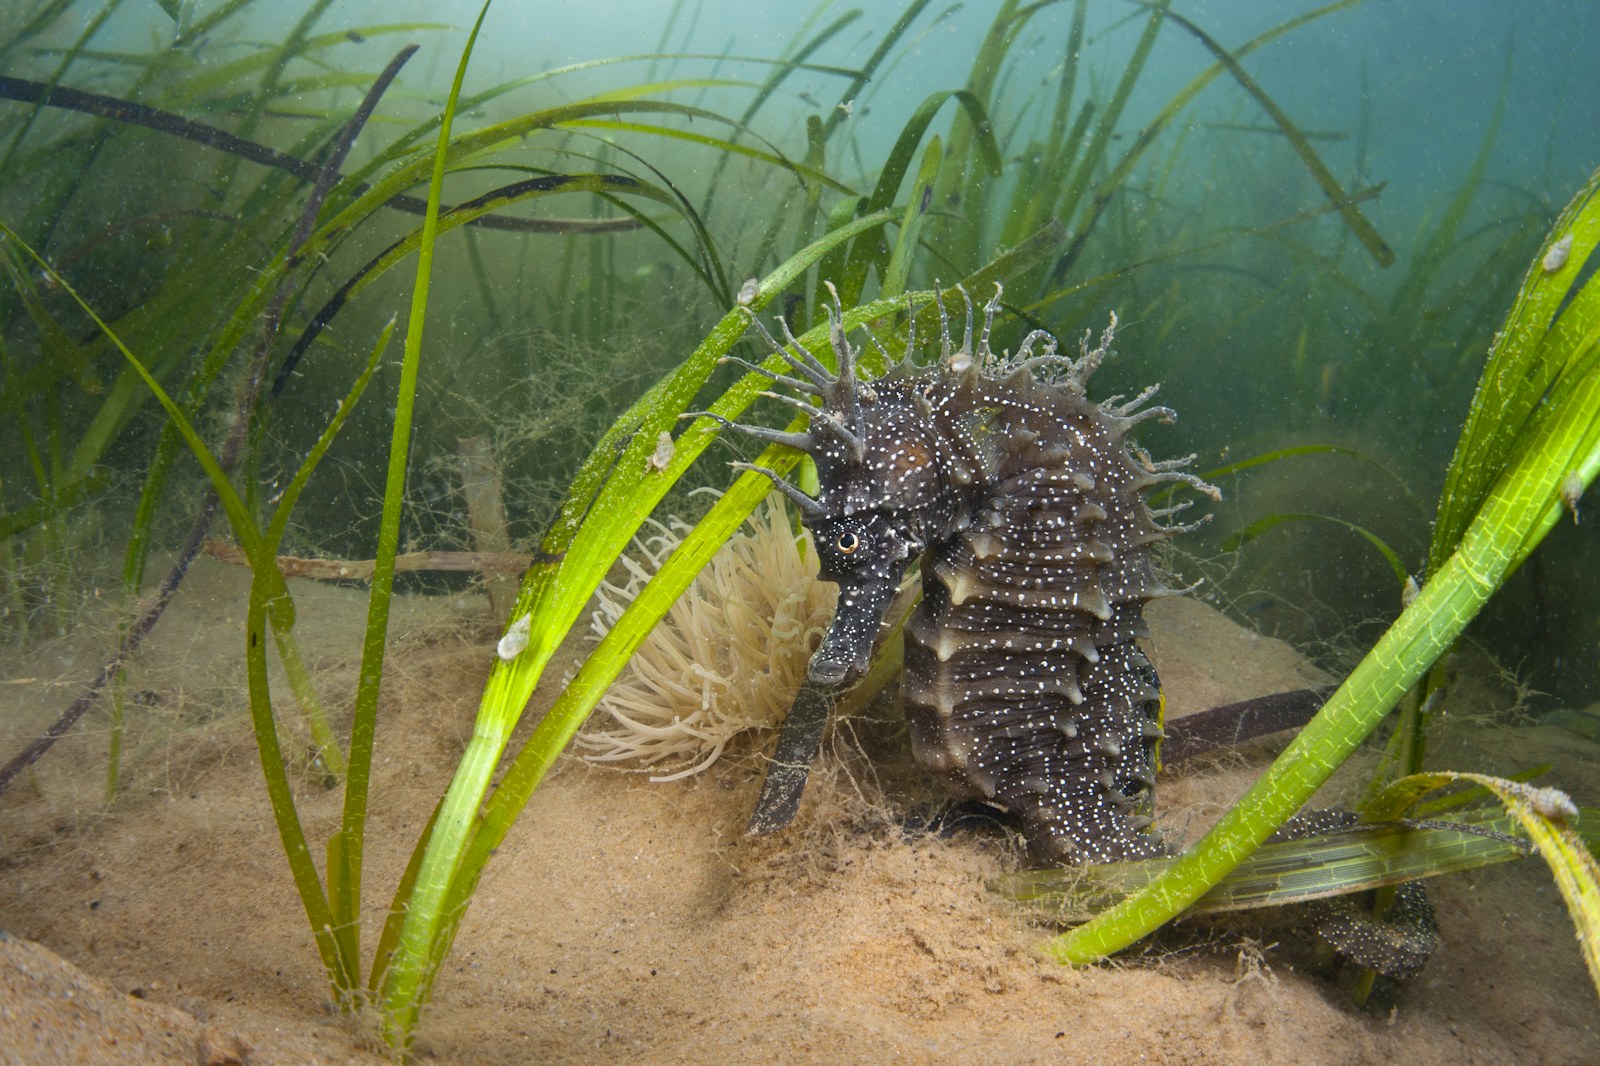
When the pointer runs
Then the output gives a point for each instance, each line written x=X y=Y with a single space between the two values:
x=1023 y=503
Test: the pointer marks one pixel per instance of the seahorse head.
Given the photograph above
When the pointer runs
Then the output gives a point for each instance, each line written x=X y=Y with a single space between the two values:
x=882 y=496
x=878 y=507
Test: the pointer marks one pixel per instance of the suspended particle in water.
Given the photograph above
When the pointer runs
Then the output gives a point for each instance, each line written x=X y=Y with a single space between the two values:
x=748 y=292
x=662 y=457
x=1572 y=492
x=1556 y=257
x=515 y=642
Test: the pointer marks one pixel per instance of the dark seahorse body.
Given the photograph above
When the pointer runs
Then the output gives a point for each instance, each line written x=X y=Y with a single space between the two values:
x=1024 y=503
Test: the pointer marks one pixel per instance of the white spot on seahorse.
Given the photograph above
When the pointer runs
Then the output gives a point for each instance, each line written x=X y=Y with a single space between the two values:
x=1556 y=257
x=515 y=642
x=662 y=457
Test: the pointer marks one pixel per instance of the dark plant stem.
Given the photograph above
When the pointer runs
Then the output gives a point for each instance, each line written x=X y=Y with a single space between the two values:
x=134 y=114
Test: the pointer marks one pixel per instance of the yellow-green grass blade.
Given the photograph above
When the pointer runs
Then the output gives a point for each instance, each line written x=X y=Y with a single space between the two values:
x=1563 y=835
x=401 y=1003
x=1296 y=871
x=1527 y=356
x=1476 y=794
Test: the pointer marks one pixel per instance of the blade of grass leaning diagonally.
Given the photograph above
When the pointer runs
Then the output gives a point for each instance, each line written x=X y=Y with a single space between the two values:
x=614 y=492
x=1545 y=347
x=1365 y=857
x=1238 y=540
x=579 y=697
x=1354 y=219
x=1120 y=173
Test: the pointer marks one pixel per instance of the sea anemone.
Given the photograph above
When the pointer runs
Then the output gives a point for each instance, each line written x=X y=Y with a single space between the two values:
x=728 y=657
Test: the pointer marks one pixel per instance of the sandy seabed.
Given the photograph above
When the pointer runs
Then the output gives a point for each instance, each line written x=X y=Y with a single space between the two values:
x=624 y=920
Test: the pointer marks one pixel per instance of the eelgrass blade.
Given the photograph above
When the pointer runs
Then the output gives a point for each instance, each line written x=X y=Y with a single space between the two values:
x=1089 y=158
x=1272 y=521
x=394 y=183
x=1121 y=172
x=851 y=279
x=91 y=27
x=1354 y=219
x=400 y=1005
x=1476 y=794
x=779 y=74
x=459 y=215
x=905 y=242
x=1528 y=356
x=212 y=86
x=1292 y=871
x=1549 y=344
x=403 y=145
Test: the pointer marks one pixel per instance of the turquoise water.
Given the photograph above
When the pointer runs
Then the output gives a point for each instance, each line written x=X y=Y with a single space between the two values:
x=1459 y=128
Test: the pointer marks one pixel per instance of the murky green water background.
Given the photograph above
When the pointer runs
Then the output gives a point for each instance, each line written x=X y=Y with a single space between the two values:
x=1459 y=129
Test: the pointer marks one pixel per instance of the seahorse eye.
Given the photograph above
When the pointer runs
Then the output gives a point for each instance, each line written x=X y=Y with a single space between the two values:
x=848 y=542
